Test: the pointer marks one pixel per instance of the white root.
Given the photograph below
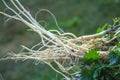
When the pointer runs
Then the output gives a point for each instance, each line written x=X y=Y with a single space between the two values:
x=55 y=45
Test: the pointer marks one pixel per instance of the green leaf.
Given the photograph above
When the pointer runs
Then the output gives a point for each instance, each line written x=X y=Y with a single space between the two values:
x=86 y=73
x=96 y=74
x=114 y=57
x=92 y=55
x=117 y=48
x=102 y=28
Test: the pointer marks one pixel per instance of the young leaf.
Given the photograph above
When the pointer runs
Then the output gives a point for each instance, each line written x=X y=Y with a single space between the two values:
x=102 y=28
x=91 y=55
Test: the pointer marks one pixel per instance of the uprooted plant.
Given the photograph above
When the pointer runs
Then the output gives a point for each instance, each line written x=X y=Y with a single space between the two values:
x=66 y=50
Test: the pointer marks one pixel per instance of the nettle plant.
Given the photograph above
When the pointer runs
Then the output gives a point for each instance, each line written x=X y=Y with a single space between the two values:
x=89 y=57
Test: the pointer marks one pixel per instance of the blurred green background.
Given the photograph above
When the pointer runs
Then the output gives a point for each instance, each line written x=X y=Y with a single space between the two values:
x=77 y=16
